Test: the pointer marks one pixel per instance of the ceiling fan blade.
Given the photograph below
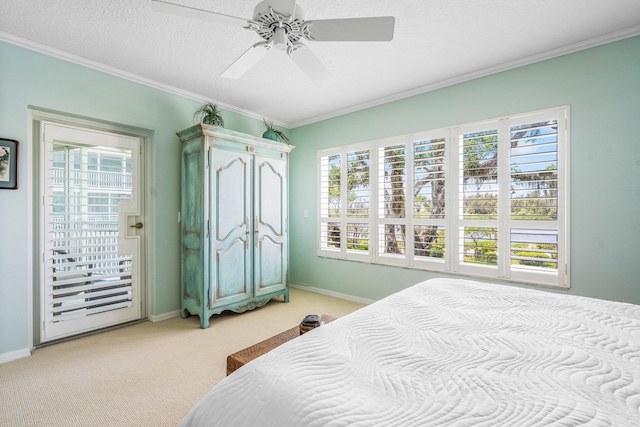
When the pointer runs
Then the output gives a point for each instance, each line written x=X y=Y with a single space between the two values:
x=203 y=15
x=353 y=29
x=311 y=66
x=284 y=7
x=246 y=61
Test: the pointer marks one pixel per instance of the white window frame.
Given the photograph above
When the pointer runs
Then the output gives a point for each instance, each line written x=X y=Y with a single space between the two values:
x=343 y=252
x=452 y=222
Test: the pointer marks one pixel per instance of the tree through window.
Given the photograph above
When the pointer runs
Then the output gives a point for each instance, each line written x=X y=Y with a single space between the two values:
x=486 y=199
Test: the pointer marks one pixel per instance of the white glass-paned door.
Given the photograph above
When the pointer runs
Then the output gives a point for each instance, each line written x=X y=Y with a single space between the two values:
x=92 y=230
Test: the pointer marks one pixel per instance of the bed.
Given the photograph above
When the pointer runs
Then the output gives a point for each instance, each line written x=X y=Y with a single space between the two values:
x=446 y=352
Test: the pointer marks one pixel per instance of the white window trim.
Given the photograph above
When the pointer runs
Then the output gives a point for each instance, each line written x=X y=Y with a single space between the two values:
x=452 y=223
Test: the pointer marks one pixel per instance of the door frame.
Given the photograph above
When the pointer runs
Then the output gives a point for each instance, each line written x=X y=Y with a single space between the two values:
x=34 y=159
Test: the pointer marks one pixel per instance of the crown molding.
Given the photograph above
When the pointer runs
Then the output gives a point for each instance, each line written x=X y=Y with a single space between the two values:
x=575 y=47
x=79 y=60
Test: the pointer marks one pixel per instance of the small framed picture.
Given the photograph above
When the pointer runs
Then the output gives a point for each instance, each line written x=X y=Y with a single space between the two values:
x=8 y=164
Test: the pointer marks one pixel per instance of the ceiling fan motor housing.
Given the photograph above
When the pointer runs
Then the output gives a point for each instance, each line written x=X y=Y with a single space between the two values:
x=282 y=31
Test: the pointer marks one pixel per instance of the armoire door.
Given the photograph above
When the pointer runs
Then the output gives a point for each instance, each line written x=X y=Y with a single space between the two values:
x=230 y=226
x=270 y=255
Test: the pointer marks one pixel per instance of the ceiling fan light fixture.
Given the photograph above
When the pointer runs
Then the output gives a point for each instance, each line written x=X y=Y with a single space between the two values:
x=280 y=39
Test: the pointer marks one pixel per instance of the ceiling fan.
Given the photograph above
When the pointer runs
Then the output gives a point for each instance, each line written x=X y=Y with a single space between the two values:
x=282 y=25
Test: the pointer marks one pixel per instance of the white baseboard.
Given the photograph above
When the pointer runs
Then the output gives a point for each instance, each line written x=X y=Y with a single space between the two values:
x=176 y=313
x=10 y=356
x=331 y=293
x=163 y=316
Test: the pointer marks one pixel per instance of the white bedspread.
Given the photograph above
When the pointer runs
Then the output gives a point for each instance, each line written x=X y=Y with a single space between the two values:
x=446 y=353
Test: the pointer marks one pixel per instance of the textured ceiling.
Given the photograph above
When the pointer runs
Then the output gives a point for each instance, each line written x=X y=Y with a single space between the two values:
x=436 y=42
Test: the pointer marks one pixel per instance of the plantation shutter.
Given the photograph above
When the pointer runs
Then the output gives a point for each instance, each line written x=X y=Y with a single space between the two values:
x=330 y=203
x=478 y=197
x=392 y=192
x=358 y=198
x=428 y=210
x=533 y=206
x=487 y=199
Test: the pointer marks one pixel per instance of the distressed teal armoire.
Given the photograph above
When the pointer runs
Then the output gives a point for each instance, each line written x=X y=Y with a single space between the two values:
x=233 y=221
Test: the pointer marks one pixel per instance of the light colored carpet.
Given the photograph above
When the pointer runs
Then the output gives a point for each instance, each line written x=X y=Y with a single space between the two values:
x=148 y=374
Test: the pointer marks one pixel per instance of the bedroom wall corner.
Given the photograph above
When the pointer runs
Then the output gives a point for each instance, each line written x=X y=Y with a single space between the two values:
x=30 y=79
x=602 y=88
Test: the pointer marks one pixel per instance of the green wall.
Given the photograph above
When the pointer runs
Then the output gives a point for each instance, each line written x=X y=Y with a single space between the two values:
x=602 y=87
x=30 y=79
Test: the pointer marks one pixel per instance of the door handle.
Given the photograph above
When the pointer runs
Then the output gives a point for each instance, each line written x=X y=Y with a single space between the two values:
x=246 y=233
x=257 y=231
x=138 y=225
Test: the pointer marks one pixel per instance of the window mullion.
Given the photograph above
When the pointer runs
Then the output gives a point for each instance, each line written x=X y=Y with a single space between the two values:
x=373 y=206
x=377 y=154
x=408 y=201
x=563 y=200
x=454 y=171
x=450 y=195
x=344 y=176
x=504 y=199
